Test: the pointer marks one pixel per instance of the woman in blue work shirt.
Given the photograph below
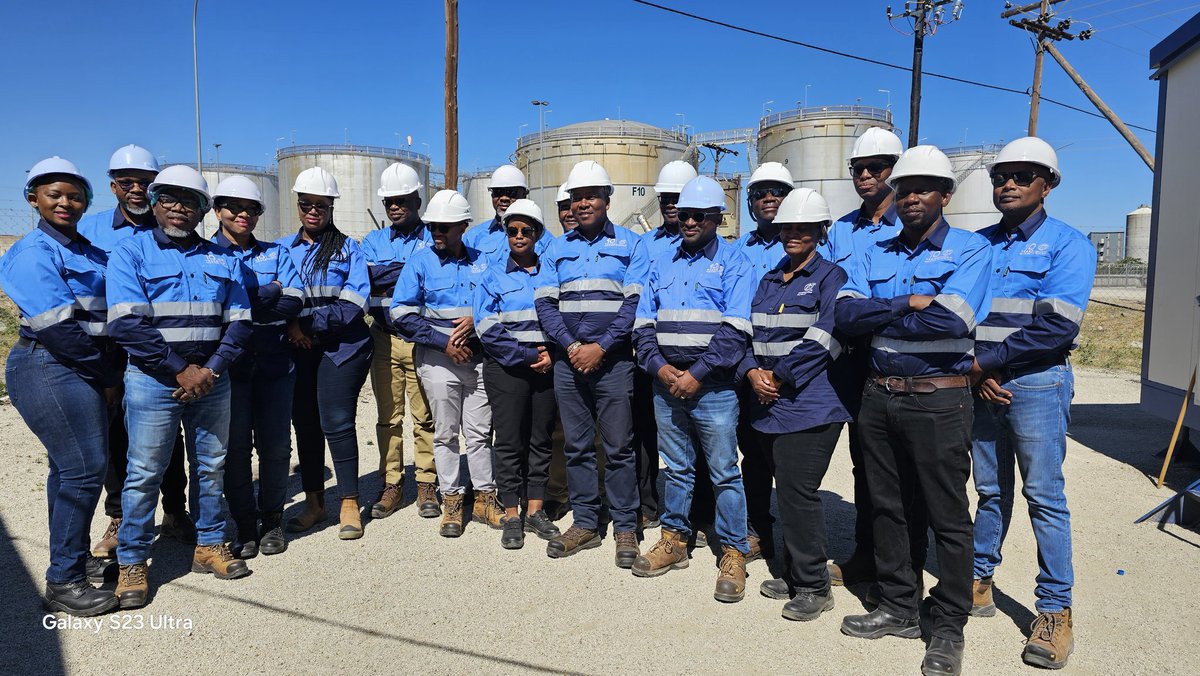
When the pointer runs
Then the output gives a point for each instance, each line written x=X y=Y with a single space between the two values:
x=59 y=376
x=332 y=349
x=517 y=377
x=798 y=414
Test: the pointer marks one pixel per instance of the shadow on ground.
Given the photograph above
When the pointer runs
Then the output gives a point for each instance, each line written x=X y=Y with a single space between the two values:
x=26 y=646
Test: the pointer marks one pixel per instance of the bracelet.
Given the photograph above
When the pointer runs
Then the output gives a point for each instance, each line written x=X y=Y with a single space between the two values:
x=574 y=346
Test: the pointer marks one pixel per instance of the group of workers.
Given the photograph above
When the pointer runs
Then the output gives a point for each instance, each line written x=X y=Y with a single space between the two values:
x=945 y=352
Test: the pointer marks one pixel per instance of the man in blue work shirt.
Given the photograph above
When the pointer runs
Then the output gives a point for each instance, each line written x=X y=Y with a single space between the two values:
x=178 y=305
x=691 y=331
x=586 y=305
x=130 y=170
x=918 y=295
x=507 y=185
x=1043 y=271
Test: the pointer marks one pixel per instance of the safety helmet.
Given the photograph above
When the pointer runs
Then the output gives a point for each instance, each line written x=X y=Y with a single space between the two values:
x=1033 y=150
x=803 y=205
x=923 y=161
x=771 y=171
x=447 y=206
x=588 y=174
x=563 y=195
x=181 y=176
x=527 y=208
x=673 y=176
x=238 y=187
x=701 y=192
x=508 y=176
x=316 y=181
x=877 y=141
x=132 y=157
x=56 y=165
x=398 y=179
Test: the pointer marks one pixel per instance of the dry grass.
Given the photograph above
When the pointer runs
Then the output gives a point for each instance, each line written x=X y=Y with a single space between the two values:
x=9 y=318
x=1111 y=338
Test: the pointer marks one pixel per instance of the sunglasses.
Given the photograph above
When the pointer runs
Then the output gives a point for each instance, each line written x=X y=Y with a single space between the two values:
x=187 y=203
x=397 y=201
x=127 y=184
x=1021 y=178
x=698 y=216
x=514 y=193
x=441 y=228
x=235 y=208
x=524 y=232
x=306 y=206
x=774 y=191
x=873 y=168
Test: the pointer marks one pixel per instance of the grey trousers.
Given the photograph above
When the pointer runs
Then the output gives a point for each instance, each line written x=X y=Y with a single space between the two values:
x=459 y=403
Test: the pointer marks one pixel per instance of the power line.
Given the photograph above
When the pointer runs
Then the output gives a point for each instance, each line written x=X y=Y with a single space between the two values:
x=1149 y=18
x=877 y=62
x=1121 y=9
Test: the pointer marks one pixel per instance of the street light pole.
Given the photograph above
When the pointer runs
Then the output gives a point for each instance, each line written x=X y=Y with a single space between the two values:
x=765 y=104
x=541 y=106
x=889 y=97
x=196 y=84
x=806 y=94
x=217 y=147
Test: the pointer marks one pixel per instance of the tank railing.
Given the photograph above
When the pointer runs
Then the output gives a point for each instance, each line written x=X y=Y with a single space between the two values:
x=634 y=131
x=745 y=135
x=983 y=148
x=826 y=112
x=226 y=168
x=478 y=173
x=381 y=151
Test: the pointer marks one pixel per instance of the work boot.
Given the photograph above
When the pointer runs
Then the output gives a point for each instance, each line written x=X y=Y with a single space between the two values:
x=487 y=509
x=731 y=581
x=78 y=598
x=133 y=586
x=627 y=549
x=699 y=539
x=106 y=548
x=943 y=657
x=572 y=541
x=349 y=519
x=853 y=571
x=452 y=519
x=247 y=539
x=777 y=589
x=982 y=604
x=512 y=535
x=555 y=510
x=539 y=524
x=1051 y=640
x=218 y=560
x=178 y=526
x=100 y=570
x=271 y=540
x=807 y=606
x=647 y=520
x=879 y=623
x=388 y=502
x=427 y=502
x=313 y=514
x=669 y=553
x=756 y=552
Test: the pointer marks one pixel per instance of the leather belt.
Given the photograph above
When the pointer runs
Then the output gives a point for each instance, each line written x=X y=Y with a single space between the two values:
x=919 y=384
x=28 y=342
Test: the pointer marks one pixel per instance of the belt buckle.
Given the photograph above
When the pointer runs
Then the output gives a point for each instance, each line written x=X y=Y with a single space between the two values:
x=887 y=384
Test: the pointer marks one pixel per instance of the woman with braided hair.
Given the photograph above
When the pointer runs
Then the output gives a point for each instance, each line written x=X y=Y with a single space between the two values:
x=332 y=350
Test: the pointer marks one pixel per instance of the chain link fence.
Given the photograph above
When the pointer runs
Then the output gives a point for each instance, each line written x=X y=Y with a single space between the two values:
x=1111 y=334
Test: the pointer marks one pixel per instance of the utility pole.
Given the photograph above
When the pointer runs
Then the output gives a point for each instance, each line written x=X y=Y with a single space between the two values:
x=1042 y=30
x=927 y=16
x=452 y=94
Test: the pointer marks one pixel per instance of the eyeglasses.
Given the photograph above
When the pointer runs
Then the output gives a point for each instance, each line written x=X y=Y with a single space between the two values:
x=1021 y=178
x=442 y=228
x=524 y=232
x=239 y=208
x=306 y=206
x=873 y=168
x=698 y=216
x=187 y=203
x=390 y=202
x=774 y=191
x=514 y=193
x=127 y=184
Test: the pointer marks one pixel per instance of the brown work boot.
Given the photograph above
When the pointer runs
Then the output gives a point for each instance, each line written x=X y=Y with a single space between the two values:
x=731 y=581
x=755 y=548
x=452 y=520
x=133 y=586
x=572 y=541
x=349 y=519
x=106 y=548
x=427 y=502
x=1051 y=640
x=627 y=549
x=313 y=514
x=487 y=509
x=218 y=560
x=388 y=502
x=981 y=598
x=669 y=553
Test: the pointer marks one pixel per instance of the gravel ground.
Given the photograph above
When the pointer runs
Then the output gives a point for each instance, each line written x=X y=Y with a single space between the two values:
x=404 y=600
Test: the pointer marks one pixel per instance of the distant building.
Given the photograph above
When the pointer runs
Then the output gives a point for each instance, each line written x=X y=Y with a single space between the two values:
x=1110 y=246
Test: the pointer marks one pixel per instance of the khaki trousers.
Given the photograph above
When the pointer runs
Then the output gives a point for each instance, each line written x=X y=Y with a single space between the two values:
x=393 y=377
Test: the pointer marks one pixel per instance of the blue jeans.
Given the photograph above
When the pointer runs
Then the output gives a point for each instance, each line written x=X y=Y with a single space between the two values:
x=260 y=416
x=152 y=417
x=707 y=424
x=70 y=419
x=1033 y=432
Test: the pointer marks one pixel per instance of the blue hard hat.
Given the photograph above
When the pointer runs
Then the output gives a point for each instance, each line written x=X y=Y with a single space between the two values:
x=701 y=192
x=56 y=165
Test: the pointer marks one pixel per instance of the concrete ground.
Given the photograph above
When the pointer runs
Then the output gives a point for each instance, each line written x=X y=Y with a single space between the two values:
x=404 y=600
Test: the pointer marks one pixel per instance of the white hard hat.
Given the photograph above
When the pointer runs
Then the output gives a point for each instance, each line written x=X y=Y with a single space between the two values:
x=923 y=161
x=564 y=195
x=398 y=179
x=508 y=176
x=316 y=181
x=182 y=176
x=56 y=165
x=771 y=171
x=588 y=174
x=447 y=206
x=673 y=176
x=877 y=141
x=701 y=192
x=803 y=205
x=527 y=208
x=238 y=187
x=1033 y=150
x=132 y=157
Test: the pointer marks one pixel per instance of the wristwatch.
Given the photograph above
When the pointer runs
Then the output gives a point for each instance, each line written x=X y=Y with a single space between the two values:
x=574 y=346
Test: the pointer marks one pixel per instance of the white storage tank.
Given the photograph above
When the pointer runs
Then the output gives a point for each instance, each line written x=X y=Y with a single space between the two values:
x=269 y=226
x=972 y=207
x=359 y=210
x=814 y=143
x=475 y=188
x=1137 y=233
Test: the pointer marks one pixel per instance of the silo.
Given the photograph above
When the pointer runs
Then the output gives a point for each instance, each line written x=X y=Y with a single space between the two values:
x=359 y=210
x=631 y=152
x=814 y=143
x=1137 y=234
x=971 y=207
x=475 y=189
x=268 y=228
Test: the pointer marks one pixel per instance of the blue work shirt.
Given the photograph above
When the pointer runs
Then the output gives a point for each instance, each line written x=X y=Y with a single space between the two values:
x=387 y=251
x=491 y=240
x=272 y=305
x=1042 y=274
x=764 y=254
x=334 y=301
x=106 y=229
x=659 y=241
x=590 y=292
x=505 y=318
x=852 y=235
x=950 y=264
x=58 y=285
x=435 y=289
x=795 y=338
x=694 y=313
x=171 y=305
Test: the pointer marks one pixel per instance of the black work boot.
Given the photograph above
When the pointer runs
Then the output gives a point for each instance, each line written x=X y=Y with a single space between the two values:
x=247 y=538
x=100 y=570
x=807 y=606
x=78 y=598
x=271 y=540
x=943 y=657
x=777 y=588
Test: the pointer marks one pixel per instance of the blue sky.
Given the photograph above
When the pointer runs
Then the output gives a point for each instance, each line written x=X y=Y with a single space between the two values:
x=95 y=75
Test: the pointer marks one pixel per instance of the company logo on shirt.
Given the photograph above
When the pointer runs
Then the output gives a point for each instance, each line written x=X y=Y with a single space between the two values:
x=716 y=268
x=942 y=255
x=267 y=256
x=808 y=289
x=478 y=267
x=213 y=259
x=614 y=242
x=1035 y=249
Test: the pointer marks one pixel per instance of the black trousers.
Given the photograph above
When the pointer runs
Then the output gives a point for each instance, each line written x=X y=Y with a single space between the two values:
x=323 y=410
x=174 y=480
x=524 y=413
x=758 y=475
x=645 y=441
x=799 y=461
x=921 y=443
